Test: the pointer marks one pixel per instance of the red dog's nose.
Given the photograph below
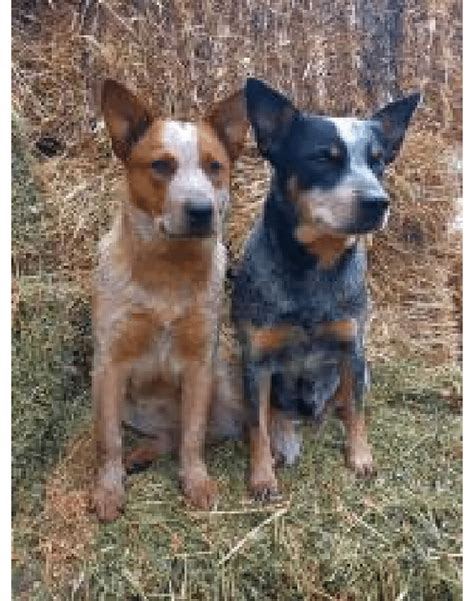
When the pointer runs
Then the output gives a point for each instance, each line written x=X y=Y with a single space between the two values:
x=199 y=215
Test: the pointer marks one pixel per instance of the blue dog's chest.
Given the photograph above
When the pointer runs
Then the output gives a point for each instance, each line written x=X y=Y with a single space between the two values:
x=319 y=296
x=269 y=292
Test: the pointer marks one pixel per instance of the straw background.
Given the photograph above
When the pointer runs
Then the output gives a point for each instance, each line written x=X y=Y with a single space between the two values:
x=337 y=57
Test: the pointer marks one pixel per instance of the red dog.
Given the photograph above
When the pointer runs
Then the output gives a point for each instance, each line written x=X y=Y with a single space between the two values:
x=157 y=290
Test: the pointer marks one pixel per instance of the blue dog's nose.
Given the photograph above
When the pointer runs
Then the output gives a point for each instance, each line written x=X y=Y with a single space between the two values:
x=374 y=204
x=371 y=212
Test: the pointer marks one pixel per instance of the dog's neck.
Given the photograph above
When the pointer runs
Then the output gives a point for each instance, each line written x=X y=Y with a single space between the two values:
x=280 y=221
x=301 y=247
x=150 y=252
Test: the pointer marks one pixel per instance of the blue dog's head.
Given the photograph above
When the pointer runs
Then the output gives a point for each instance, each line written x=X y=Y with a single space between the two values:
x=331 y=168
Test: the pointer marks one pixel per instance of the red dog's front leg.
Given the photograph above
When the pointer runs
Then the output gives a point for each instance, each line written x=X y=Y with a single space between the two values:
x=195 y=402
x=108 y=387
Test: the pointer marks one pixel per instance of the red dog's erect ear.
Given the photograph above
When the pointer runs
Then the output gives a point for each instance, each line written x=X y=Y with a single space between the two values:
x=126 y=117
x=228 y=118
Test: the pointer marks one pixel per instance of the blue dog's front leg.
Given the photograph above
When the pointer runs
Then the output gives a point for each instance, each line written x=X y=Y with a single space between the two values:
x=360 y=378
x=257 y=388
x=350 y=400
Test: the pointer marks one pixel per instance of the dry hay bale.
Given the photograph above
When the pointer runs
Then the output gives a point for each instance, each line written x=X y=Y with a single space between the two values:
x=46 y=76
x=80 y=196
x=249 y=189
x=157 y=48
x=412 y=262
x=430 y=59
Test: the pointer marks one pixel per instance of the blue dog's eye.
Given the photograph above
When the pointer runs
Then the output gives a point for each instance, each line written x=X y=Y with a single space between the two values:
x=318 y=157
x=376 y=155
x=323 y=157
x=376 y=161
x=163 y=166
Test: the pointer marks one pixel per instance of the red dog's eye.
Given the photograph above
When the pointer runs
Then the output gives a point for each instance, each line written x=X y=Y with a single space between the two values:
x=163 y=166
x=215 y=167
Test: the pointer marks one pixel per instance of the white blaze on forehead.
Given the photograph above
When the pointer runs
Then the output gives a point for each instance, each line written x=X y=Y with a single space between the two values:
x=350 y=130
x=356 y=136
x=181 y=139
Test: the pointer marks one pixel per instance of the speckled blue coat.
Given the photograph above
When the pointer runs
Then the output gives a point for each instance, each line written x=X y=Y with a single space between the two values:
x=279 y=282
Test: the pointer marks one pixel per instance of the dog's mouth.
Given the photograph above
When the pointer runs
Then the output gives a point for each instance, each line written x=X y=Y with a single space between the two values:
x=199 y=231
x=184 y=233
x=371 y=216
x=367 y=225
x=367 y=217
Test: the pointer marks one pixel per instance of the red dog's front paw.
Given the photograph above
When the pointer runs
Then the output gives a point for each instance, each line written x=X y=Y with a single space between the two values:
x=201 y=491
x=108 y=498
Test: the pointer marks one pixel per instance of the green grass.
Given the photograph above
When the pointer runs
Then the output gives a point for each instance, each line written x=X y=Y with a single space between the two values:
x=27 y=208
x=50 y=364
x=333 y=536
x=399 y=533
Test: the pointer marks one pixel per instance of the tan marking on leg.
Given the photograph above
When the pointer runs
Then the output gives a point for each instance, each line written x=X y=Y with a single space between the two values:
x=358 y=452
x=263 y=482
x=264 y=340
x=341 y=329
x=196 y=398
x=108 y=390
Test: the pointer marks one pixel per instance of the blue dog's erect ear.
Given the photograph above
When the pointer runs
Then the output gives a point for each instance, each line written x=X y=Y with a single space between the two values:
x=271 y=116
x=394 y=119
